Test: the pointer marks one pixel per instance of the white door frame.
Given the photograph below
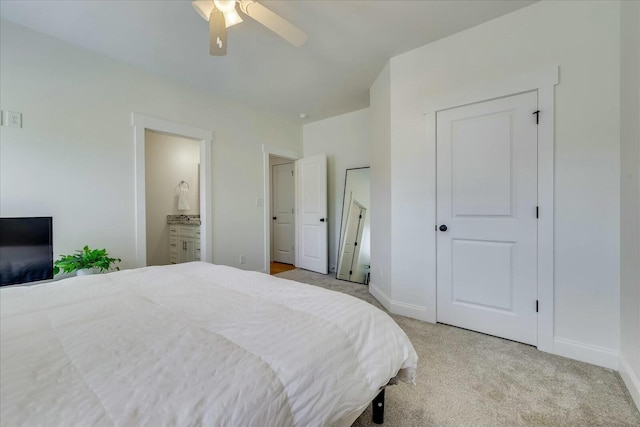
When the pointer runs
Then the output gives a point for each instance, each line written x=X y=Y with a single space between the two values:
x=142 y=123
x=544 y=81
x=268 y=150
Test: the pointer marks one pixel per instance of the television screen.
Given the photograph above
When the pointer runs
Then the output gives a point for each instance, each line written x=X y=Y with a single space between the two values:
x=26 y=250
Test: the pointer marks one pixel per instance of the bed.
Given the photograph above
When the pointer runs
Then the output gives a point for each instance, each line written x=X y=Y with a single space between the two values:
x=193 y=344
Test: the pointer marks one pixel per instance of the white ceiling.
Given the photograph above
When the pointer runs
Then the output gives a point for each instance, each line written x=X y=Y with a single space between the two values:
x=349 y=43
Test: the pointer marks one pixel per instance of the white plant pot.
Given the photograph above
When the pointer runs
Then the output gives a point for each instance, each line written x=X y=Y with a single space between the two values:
x=86 y=271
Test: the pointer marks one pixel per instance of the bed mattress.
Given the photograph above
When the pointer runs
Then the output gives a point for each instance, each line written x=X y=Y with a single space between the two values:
x=192 y=344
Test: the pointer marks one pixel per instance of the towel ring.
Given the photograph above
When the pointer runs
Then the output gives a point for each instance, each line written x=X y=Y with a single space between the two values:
x=183 y=183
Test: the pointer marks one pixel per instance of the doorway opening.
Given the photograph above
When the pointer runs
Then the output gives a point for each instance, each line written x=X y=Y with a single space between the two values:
x=184 y=194
x=311 y=237
x=282 y=212
x=172 y=198
x=274 y=157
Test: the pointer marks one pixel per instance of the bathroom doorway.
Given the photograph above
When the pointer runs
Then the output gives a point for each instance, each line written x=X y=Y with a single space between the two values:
x=172 y=198
x=187 y=236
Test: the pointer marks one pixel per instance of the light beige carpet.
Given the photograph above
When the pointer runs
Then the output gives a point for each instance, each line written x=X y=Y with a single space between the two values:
x=469 y=379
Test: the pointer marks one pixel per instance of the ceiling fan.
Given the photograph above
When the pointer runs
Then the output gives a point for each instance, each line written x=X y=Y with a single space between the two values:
x=222 y=14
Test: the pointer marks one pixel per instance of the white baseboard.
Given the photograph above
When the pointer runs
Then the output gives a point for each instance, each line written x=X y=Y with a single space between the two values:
x=409 y=310
x=561 y=346
x=631 y=380
x=380 y=296
x=397 y=307
x=585 y=353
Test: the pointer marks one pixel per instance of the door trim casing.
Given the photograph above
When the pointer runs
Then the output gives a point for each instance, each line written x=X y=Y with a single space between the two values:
x=543 y=81
x=141 y=123
x=268 y=150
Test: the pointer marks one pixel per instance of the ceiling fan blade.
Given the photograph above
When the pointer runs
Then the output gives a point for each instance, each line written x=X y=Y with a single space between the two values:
x=217 y=34
x=274 y=22
x=203 y=7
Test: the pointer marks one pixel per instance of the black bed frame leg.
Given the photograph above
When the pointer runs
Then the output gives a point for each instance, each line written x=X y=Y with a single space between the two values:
x=378 y=408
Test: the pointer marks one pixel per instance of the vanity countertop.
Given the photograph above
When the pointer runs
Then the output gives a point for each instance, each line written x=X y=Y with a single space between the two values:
x=183 y=219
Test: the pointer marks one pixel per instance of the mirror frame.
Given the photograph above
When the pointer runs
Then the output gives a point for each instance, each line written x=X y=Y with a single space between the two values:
x=344 y=196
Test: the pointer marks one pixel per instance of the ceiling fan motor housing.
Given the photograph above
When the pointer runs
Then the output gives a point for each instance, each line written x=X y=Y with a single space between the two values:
x=222 y=14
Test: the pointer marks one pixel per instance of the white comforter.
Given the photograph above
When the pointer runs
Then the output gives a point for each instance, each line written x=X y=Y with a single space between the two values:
x=192 y=344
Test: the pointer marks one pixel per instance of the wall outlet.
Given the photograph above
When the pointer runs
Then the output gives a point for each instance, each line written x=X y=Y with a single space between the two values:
x=243 y=259
x=13 y=119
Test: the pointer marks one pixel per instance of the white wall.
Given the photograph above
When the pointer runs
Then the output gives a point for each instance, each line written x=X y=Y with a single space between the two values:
x=583 y=39
x=630 y=199
x=168 y=161
x=74 y=156
x=345 y=139
x=381 y=197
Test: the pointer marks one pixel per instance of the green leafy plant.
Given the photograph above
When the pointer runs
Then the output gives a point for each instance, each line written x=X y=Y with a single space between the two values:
x=85 y=259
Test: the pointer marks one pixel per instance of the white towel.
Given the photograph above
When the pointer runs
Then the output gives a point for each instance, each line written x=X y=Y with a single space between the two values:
x=183 y=198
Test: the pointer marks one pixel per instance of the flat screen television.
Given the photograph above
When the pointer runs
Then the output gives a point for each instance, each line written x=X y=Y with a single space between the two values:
x=26 y=250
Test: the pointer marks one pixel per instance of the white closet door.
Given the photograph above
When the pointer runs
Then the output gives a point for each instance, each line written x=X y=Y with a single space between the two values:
x=486 y=211
x=313 y=234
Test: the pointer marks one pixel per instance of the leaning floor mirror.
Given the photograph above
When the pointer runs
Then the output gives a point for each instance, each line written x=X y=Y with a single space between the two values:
x=353 y=252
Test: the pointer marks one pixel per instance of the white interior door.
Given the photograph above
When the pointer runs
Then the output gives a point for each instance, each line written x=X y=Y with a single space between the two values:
x=283 y=213
x=486 y=212
x=313 y=246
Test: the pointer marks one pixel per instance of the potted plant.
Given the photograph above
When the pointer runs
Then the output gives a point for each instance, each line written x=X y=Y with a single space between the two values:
x=86 y=261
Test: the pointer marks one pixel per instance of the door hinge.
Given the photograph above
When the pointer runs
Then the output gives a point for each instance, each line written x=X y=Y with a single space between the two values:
x=537 y=113
x=350 y=272
x=355 y=244
x=360 y=217
x=537 y=306
x=537 y=212
x=291 y=173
